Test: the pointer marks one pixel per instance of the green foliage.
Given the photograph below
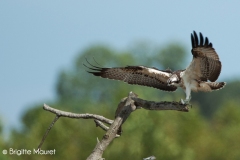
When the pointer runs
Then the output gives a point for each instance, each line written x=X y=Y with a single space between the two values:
x=164 y=134
x=210 y=102
x=172 y=56
x=226 y=122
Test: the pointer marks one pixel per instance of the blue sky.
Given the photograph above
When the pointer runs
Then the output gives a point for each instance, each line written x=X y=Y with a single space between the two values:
x=40 y=38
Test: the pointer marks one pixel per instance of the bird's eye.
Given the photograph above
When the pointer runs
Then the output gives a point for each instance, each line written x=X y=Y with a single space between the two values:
x=169 y=81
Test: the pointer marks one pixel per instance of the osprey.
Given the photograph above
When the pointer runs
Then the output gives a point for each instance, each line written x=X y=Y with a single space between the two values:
x=200 y=75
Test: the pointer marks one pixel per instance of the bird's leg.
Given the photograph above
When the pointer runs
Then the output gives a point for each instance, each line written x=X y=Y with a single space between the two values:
x=188 y=97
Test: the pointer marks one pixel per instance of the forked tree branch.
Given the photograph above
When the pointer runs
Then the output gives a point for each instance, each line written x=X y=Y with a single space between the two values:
x=126 y=106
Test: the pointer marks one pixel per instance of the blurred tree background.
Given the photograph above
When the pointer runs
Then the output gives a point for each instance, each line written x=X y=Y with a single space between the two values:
x=209 y=131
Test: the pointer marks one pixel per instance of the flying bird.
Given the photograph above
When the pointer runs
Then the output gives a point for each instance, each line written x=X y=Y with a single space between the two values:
x=200 y=75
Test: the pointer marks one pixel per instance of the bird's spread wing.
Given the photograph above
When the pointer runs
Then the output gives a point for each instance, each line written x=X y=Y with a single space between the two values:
x=205 y=64
x=139 y=75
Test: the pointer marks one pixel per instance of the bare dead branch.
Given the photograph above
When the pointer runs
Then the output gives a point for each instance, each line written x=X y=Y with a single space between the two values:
x=126 y=106
x=151 y=105
x=77 y=116
x=48 y=130
x=60 y=113
x=101 y=125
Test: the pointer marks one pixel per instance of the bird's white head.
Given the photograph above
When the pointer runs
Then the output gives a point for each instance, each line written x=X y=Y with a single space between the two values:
x=173 y=80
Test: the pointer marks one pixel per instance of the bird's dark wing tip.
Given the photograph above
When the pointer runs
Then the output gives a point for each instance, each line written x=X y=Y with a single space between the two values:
x=95 y=70
x=195 y=40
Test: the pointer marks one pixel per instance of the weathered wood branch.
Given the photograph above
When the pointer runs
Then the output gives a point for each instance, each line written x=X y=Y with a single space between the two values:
x=77 y=116
x=126 y=106
x=151 y=105
x=48 y=130
x=101 y=125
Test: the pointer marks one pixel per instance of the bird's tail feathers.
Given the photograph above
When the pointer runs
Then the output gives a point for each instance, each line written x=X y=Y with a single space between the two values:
x=216 y=85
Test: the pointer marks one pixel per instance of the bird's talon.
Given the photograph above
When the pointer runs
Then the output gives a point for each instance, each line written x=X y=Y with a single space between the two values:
x=182 y=101
x=185 y=102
